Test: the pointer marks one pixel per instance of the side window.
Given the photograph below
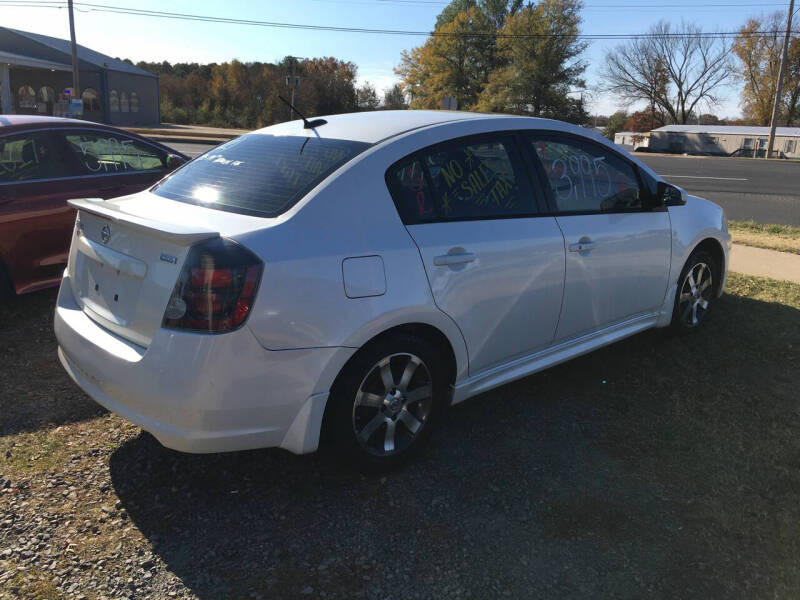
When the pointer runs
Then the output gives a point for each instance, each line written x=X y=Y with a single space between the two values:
x=586 y=177
x=97 y=152
x=27 y=157
x=459 y=180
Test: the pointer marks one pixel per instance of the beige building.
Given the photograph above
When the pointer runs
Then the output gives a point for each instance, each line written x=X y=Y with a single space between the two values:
x=636 y=139
x=725 y=140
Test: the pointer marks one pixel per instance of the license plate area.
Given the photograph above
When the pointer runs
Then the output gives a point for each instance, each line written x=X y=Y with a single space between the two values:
x=106 y=291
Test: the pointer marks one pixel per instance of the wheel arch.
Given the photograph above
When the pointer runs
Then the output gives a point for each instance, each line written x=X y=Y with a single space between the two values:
x=714 y=247
x=430 y=333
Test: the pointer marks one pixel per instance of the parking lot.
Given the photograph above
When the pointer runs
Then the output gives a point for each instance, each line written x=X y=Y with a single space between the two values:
x=656 y=467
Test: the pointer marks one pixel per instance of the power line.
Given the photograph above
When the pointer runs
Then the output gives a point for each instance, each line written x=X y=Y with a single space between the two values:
x=585 y=6
x=60 y=3
x=105 y=8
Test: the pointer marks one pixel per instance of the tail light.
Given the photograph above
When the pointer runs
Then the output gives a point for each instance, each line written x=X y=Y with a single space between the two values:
x=216 y=288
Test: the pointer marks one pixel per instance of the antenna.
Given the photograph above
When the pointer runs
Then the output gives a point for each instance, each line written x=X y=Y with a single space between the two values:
x=306 y=123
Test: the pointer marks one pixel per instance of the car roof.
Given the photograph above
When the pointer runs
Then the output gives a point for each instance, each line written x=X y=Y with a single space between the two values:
x=10 y=124
x=16 y=120
x=375 y=126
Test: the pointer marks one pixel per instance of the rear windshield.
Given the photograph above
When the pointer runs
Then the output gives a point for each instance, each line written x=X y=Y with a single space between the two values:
x=257 y=174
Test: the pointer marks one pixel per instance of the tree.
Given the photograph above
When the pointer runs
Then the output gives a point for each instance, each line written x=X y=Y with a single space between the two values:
x=334 y=82
x=792 y=98
x=452 y=10
x=541 y=56
x=501 y=55
x=237 y=94
x=454 y=63
x=673 y=69
x=758 y=50
x=616 y=123
x=709 y=119
x=394 y=98
x=643 y=120
x=496 y=11
x=367 y=97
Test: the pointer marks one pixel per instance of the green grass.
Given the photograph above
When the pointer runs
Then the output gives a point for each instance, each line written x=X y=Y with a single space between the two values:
x=783 y=238
x=753 y=227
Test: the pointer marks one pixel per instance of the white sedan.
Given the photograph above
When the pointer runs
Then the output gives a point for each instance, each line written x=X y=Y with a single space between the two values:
x=356 y=275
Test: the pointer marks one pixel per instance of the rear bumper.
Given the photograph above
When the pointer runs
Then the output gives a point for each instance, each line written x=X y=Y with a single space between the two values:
x=200 y=393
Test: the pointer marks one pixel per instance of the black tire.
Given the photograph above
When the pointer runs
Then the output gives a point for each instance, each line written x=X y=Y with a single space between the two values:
x=363 y=409
x=695 y=296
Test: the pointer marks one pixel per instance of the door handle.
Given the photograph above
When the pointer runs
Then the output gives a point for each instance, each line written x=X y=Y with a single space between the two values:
x=584 y=244
x=453 y=259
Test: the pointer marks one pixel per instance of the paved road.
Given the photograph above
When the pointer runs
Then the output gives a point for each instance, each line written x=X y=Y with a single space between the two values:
x=761 y=190
x=192 y=150
x=766 y=191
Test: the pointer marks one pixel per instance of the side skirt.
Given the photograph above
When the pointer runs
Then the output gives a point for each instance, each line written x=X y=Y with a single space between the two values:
x=527 y=365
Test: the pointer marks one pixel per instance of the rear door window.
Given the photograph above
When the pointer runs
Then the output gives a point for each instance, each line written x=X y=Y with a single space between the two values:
x=460 y=180
x=28 y=157
x=258 y=174
x=100 y=152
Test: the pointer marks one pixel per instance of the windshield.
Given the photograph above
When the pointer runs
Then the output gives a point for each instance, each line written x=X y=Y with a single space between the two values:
x=257 y=174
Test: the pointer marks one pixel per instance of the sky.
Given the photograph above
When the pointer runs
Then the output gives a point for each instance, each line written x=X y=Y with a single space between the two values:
x=156 y=39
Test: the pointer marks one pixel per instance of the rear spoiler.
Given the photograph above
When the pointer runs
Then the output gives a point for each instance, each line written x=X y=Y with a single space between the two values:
x=184 y=235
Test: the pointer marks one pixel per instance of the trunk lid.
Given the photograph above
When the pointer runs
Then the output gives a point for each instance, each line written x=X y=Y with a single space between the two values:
x=127 y=255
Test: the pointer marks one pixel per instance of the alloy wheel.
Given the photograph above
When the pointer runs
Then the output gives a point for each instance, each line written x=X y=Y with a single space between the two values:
x=392 y=404
x=695 y=294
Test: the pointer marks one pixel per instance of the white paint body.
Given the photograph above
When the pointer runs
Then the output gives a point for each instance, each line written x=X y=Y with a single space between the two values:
x=340 y=269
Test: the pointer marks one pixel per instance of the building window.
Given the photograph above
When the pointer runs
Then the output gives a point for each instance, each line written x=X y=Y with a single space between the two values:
x=747 y=143
x=26 y=97
x=124 y=105
x=134 y=102
x=790 y=145
x=91 y=100
x=113 y=100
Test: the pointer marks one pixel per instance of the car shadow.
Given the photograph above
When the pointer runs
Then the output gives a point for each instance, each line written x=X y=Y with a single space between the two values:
x=37 y=392
x=658 y=466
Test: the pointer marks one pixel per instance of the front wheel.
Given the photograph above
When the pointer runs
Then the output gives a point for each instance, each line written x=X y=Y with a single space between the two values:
x=696 y=291
x=388 y=400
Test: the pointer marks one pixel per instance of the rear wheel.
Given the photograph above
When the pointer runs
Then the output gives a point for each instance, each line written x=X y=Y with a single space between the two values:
x=389 y=400
x=696 y=291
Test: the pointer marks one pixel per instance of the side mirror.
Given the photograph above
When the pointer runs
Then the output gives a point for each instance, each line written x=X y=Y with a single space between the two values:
x=174 y=161
x=670 y=195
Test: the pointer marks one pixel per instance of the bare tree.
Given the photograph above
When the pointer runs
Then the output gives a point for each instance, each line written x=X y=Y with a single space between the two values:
x=673 y=70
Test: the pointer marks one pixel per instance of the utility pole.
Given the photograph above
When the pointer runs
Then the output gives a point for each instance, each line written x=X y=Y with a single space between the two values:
x=779 y=88
x=76 y=89
x=292 y=81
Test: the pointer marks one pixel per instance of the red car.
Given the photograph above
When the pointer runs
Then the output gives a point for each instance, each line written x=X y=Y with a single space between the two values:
x=45 y=161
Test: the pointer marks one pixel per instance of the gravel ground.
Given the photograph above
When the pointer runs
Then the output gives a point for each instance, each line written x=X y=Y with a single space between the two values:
x=657 y=467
